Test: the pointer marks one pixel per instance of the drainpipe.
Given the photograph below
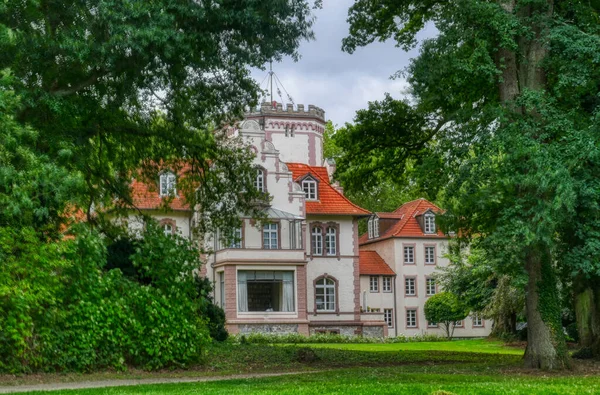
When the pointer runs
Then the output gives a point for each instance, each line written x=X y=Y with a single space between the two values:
x=395 y=307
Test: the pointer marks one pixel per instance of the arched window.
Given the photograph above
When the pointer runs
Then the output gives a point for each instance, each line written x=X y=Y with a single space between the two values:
x=167 y=184
x=317 y=240
x=331 y=241
x=259 y=181
x=325 y=294
x=309 y=186
x=429 y=223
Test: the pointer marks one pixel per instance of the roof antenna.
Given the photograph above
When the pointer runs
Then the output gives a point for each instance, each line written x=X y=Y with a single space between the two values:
x=271 y=78
x=268 y=89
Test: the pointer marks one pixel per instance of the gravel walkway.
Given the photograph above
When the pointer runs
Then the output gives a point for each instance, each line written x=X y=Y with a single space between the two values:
x=129 y=382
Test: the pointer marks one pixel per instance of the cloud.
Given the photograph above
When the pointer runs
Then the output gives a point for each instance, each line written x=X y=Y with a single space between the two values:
x=338 y=82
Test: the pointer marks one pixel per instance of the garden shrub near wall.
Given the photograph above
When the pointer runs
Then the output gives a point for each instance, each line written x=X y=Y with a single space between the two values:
x=60 y=310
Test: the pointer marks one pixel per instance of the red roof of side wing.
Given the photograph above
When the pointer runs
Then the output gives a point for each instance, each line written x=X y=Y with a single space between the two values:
x=146 y=196
x=329 y=200
x=406 y=224
x=371 y=263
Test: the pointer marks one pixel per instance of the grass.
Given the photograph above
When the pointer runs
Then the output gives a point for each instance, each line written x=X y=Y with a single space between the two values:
x=474 y=346
x=460 y=367
x=383 y=380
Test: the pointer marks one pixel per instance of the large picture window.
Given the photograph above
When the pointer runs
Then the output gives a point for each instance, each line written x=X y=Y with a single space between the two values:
x=325 y=294
x=268 y=291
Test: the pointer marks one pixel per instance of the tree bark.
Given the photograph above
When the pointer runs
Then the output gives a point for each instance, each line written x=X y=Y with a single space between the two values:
x=546 y=347
x=587 y=314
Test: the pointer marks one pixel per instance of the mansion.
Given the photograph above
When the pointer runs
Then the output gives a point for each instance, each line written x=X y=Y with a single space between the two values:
x=306 y=269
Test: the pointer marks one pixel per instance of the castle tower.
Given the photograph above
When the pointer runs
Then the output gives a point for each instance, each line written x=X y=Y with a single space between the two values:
x=296 y=132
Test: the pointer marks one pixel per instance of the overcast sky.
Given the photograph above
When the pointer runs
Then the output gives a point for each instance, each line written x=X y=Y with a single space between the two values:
x=334 y=80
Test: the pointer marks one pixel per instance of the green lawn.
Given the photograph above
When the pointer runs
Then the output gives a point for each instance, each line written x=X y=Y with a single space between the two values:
x=474 y=346
x=459 y=367
x=390 y=380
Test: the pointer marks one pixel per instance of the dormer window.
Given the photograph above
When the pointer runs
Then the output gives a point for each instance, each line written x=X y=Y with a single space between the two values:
x=429 y=223
x=167 y=184
x=370 y=228
x=309 y=186
x=376 y=227
x=259 y=181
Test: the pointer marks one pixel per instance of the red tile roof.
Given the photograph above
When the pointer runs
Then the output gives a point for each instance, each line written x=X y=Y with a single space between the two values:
x=405 y=224
x=371 y=263
x=330 y=201
x=146 y=196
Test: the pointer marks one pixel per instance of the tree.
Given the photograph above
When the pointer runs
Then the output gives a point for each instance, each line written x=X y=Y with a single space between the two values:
x=506 y=88
x=446 y=309
x=112 y=87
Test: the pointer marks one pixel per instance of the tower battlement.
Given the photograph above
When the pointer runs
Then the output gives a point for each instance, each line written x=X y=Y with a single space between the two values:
x=267 y=108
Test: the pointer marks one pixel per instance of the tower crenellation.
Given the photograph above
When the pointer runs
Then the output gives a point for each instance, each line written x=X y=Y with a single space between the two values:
x=267 y=108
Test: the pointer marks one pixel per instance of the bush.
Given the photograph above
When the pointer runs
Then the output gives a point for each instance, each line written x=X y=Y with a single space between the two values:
x=61 y=310
x=213 y=313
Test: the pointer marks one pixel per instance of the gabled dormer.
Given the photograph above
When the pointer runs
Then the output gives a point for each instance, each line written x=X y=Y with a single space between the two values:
x=426 y=221
x=310 y=186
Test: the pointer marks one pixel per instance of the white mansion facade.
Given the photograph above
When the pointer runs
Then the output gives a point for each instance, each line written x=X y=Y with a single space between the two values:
x=306 y=269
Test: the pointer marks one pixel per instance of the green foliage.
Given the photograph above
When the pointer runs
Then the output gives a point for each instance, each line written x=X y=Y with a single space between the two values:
x=208 y=309
x=446 y=309
x=60 y=310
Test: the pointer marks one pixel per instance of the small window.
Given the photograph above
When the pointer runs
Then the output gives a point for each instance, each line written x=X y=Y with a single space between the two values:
x=432 y=324
x=317 y=240
x=309 y=186
x=429 y=223
x=331 y=241
x=410 y=286
x=411 y=318
x=374 y=283
x=477 y=321
x=235 y=239
x=370 y=228
x=387 y=284
x=325 y=294
x=409 y=255
x=388 y=317
x=270 y=236
x=259 y=181
x=458 y=324
x=430 y=255
x=167 y=184
x=168 y=229
x=430 y=286
x=376 y=227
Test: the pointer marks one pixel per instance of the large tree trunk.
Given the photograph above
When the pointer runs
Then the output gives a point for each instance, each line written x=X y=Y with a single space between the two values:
x=587 y=314
x=546 y=347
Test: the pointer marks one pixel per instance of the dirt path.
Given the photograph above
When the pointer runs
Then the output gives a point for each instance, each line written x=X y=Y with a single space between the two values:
x=129 y=382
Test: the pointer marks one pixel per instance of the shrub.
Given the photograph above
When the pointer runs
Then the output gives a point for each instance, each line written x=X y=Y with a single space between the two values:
x=446 y=309
x=295 y=338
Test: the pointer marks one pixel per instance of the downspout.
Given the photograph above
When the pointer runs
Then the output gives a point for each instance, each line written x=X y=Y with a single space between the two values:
x=395 y=307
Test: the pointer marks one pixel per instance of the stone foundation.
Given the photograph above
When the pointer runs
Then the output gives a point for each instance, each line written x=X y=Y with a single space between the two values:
x=268 y=328
x=373 y=331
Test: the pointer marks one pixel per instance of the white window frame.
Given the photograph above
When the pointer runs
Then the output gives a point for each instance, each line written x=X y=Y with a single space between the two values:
x=370 y=226
x=317 y=240
x=236 y=238
x=327 y=286
x=429 y=223
x=259 y=181
x=168 y=229
x=388 y=317
x=411 y=318
x=430 y=260
x=222 y=289
x=477 y=321
x=270 y=234
x=375 y=227
x=429 y=283
x=406 y=249
x=309 y=186
x=374 y=284
x=331 y=241
x=387 y=284
x=410 y=286
x=167 y=184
